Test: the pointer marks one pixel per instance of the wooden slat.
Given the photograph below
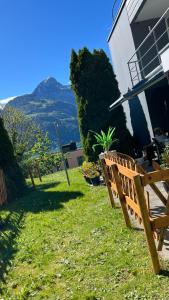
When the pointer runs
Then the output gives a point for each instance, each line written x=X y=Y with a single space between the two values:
x=109 y=162
x=154 y=187
x=133 y=205
x=158 y=193
x=126 y=172
x=113 y=186
x=121 y=195
x=123 y=170
x=162 y=231
x=157 y=167
x=161 y=175
x=160 y=222
x=107 y=180
x=147 y=197
x=147 y=224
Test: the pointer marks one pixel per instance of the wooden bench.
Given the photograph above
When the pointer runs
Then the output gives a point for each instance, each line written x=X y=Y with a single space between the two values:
x=125 y=179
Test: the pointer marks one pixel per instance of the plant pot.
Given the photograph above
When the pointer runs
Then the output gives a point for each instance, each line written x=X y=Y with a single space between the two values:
x=87 y=179
x=95 y=181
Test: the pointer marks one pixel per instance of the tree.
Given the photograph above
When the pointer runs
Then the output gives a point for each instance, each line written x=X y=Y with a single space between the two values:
x=28 y=140
x=13 y=176
x=96 y=88
x=21 y=129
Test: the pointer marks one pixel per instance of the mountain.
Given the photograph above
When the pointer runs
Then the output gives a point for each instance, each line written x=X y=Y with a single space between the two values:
x=51 y=101
x=3 y=102
x=50 y=88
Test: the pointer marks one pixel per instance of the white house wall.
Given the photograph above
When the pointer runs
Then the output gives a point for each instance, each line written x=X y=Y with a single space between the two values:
x=122 y=47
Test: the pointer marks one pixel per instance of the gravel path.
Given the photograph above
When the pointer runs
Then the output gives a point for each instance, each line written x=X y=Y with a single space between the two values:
x=157 y=208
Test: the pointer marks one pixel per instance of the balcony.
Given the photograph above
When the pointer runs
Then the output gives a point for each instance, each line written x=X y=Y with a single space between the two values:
x=152 y=56
x=132 y=7
x=116 y=8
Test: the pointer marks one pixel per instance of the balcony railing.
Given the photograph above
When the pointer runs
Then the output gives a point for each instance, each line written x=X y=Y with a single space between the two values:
x=115 y=9
x=147 y=57
x=132 y=6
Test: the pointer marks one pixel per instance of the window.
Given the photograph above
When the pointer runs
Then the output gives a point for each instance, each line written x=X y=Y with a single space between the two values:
x=80 y=160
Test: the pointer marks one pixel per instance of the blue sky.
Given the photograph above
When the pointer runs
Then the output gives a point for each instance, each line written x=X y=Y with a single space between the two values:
x=37 y=37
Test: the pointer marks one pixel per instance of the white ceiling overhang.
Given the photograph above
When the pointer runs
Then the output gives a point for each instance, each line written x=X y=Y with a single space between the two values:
x=152 y=9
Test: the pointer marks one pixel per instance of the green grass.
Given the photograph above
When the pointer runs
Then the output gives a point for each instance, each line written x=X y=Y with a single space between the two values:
x=63 y=242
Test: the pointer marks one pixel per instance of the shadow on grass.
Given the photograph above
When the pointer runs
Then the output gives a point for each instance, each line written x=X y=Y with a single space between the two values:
x=44 y=198
x=164 y=273
x=12 y=226
x=39 y=200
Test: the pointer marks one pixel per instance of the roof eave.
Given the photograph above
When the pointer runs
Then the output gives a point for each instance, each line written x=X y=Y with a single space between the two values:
x=116 y=19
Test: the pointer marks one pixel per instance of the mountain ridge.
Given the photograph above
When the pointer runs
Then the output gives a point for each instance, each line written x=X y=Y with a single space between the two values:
x=51 y=101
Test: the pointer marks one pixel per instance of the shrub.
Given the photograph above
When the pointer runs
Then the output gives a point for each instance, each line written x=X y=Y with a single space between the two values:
x=13 y=176
x=90 y=169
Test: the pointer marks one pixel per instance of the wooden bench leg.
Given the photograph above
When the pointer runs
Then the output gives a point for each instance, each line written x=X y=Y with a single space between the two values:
x=108 y=184
x=121 y=195
x=146 y=223
x=162 y=231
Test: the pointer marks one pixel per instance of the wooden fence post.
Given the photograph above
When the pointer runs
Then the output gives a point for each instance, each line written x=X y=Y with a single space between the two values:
x=146 y=223
x=121 y=195
x=107 y=181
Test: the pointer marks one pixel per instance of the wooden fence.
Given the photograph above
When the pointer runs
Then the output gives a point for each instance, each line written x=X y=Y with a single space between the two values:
x=3 y=191
x=127 y=180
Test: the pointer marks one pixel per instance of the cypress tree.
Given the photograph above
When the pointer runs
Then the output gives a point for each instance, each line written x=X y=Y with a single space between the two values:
x=13 y=175
x=96 y=88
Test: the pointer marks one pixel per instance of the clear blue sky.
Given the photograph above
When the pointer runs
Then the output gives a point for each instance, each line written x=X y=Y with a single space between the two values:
x=37 y=37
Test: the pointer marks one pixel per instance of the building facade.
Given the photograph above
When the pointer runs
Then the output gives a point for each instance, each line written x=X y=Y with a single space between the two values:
x=74 y=158
x=139 y=46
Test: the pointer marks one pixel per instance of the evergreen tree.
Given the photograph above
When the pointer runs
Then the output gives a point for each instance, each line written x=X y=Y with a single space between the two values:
x=13 y=176
x=96 y=88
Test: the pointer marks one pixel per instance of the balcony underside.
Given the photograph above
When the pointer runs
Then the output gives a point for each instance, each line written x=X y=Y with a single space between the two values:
x=152 y=9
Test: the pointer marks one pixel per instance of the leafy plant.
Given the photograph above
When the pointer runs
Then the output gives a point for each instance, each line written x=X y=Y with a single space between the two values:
x=165 y=157
x=21 y=129
x=90 y=169
x=105 y=140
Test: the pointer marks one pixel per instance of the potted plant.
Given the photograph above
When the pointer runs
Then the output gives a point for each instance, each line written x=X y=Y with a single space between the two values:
x=165 y=165
x=105 y=140
x=91 y=173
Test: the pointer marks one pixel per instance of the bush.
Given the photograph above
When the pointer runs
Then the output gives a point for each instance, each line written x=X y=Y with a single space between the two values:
x=90 y=169
x=46 y=164
x=165 y=157
x=13 y=176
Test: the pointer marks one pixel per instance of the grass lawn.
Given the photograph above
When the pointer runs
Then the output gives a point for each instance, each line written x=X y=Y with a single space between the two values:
x=63 y=242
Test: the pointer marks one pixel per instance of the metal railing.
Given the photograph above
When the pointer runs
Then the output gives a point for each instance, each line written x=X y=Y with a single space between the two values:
x=147 y=56
x=115 y=8
x=131 y=6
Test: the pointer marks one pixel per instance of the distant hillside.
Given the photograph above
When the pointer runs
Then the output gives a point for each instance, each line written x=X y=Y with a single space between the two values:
x=51 y=101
